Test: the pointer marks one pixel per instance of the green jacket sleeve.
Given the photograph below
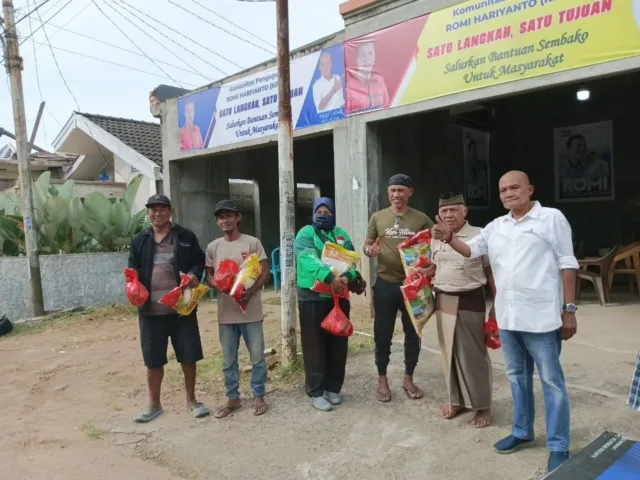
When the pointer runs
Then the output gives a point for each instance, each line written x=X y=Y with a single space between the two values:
x=308 y=258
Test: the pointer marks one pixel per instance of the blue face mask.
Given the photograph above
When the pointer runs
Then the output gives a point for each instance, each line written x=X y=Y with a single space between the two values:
x=323 y=221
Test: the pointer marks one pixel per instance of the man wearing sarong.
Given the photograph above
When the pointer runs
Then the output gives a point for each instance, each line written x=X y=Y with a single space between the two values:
x=459 y=284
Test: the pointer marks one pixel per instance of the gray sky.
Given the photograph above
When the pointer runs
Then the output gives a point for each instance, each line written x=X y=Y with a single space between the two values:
x=112 y=90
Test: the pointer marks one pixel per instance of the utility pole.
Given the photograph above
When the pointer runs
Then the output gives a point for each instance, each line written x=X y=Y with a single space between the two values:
x=287 y=188
x=14 y=66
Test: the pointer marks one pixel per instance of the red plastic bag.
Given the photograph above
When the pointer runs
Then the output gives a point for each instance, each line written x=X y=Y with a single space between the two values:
x=491 y=334
x=225 y=275
x=337 y=323
x=172 y=298
x=325 y=288
x=134 y=289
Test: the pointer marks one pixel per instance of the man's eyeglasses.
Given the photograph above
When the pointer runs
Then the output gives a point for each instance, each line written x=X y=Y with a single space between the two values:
x=450 y=195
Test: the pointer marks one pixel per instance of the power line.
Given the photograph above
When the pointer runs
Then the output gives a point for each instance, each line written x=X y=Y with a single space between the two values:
x=44 y=123
x=222 y=29
x=193 y=70
x=55 y=60
x=119 y=47
x=134 y=44
x=184 y=36
x=32 y=11
x=234 y=24
x=64 y=24
x=42 y=24
x=64 y=80
x=128 y=67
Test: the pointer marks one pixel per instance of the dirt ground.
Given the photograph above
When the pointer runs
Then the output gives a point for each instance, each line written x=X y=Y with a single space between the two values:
x=70 y=388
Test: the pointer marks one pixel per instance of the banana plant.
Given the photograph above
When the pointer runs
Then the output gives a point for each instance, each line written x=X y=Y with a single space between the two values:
x=12 y=241
x=66 y=224
x=111 y=223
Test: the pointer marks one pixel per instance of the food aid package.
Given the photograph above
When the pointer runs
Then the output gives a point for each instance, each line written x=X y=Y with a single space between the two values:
x=225 y=275
x=337 y=323
x=247 y=276
x=134 y=289
x=611 y=456
x=340 y=261
x=491 y=334
x=419 y=300
x=184 y=299
x=415 y=252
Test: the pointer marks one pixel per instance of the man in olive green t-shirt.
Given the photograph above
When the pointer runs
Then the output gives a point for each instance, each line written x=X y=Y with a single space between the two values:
x=387 y=228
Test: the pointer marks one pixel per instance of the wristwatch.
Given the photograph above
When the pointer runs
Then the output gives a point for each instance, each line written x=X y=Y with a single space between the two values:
x=569 y=308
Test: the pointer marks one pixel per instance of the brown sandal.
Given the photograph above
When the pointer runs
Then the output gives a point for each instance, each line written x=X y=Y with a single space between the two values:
x=414 y=394
x=226 y=410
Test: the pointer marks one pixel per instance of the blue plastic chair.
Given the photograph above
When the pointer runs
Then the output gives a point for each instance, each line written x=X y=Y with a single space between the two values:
x=275 y=267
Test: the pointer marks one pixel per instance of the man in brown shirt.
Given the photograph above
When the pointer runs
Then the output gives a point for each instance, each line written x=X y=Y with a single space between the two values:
x=387 y=228
x=234 y=323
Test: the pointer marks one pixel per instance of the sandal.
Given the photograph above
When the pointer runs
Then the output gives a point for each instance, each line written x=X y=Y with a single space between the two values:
x=226 y=410
x=198 y=410
x=150 y=413
x=260 y=409
x=413 y=393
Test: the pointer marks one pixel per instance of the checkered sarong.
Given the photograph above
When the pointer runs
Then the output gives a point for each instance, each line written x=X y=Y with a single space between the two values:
x=634 y=392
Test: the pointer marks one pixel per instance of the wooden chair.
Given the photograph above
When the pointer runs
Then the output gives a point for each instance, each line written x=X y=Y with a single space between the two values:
x=629 y=255
x=600 y=279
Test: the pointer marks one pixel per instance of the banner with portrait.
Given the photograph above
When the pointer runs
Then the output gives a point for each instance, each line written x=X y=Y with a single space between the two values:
x=584 y=162
x=475 y=144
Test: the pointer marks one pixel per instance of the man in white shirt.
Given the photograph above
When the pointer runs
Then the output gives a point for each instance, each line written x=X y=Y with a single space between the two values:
x=327 y=90
x=531 y=255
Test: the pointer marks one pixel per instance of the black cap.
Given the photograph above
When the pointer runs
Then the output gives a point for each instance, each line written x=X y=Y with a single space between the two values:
x=225 y=206
x=158 y=200
x=401 y=180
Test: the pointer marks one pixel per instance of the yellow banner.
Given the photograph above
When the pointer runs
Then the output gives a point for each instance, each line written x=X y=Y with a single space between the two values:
x=482 y=43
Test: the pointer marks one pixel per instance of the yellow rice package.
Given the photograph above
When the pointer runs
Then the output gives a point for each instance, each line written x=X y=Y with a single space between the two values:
x=184 y=299
x=340 y=261
x=190 y=298
x=246 y=277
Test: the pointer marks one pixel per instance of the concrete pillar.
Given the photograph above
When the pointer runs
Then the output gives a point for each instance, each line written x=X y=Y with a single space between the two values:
x=266 y=176
x=363 y=171
x=203 y=183
x=341 y=179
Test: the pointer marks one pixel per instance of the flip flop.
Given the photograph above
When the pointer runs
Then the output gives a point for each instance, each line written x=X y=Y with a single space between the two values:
x=226 y=410
x=198 y=410
x=148 y=414
x=260 y=409
x=415 y=394
x=382 y=397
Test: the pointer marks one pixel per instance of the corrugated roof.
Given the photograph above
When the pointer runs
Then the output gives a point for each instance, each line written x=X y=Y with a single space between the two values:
x=144 y=137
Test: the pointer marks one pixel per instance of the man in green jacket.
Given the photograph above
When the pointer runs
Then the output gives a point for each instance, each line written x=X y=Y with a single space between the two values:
x=324 y=354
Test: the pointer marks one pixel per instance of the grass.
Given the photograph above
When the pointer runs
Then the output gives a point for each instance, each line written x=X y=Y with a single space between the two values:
x=289 y=373
x=359 y=343
x=94 y=432
x=60 y=319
